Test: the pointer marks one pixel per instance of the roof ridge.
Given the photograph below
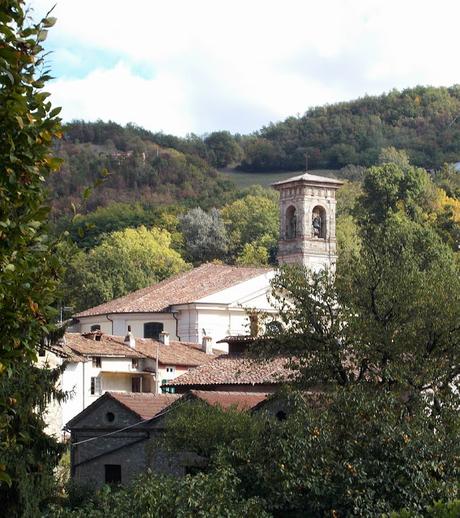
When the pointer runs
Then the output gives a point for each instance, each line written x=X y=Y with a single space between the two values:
x=210 y=278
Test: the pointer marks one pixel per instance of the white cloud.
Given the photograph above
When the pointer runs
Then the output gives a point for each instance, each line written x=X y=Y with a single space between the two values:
x=237 y=65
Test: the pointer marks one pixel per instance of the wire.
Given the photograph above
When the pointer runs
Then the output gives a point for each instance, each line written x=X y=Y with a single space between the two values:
x=72 y=444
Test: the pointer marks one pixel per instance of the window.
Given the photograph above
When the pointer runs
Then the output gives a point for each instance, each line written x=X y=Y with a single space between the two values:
x=153 y=330
x=136 y=384
x=96 y=387
x=41 y=352
x=167 y=390
x=95 y=327
x=171 y=369
x=134 y=363
x=112 y=473
x=110 y=416
x=97 y=361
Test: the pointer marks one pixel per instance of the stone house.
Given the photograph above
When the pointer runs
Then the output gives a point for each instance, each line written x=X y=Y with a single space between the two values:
x=118 y=436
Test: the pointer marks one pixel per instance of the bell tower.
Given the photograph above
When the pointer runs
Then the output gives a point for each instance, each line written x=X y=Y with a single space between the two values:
x=307 y=216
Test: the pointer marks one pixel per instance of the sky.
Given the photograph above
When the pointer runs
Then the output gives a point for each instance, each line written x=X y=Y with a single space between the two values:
x=197 y=66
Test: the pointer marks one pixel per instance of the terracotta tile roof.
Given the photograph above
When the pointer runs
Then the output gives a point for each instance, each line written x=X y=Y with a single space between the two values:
x=145 y=405
x=65 y=352
x=180 y=289
x=107 y=346
x=239 y=400
x=235 y=370
x=176 y=353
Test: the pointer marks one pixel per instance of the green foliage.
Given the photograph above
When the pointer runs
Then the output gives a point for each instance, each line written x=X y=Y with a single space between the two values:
x=391 y=155
x=253 y=254
x=349 y=453
x=205 y=236
x=124 y=261
x=448 y=178
x=223 y=149
x=204 y=431
x=422 y=120
x=88 y=230
x=142 y=168
x=250 y=220
x=203 y=495
x=438 y=510
x=28 y=265
x=29 y=454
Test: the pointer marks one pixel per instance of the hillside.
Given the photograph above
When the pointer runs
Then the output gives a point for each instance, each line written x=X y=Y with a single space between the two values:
x=161 y=169
x=128 y=165
x=425 y=121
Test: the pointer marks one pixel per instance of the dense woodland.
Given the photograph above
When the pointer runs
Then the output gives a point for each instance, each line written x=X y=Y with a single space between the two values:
x=423 y=121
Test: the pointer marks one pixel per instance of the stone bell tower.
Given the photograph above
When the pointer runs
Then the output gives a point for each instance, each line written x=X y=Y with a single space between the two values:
x=307 y=215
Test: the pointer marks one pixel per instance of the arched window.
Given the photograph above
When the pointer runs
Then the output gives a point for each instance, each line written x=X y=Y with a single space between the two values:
x=153 y=330
x=291 y=222
x=318 y=222
x=95 y=327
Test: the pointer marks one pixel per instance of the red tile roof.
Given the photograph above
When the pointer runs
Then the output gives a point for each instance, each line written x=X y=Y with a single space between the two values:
x=176 y=353
x=107 y=346
x=238 y=400
x=78 y=347
x=145 y=405
x=235 y=370
x=183 y=288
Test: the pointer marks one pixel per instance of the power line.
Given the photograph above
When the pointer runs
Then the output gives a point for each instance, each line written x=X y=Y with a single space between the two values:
x=72 y=444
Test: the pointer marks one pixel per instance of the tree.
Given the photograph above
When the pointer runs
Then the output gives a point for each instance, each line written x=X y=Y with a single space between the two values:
x=391 y=155
x=205 y=236
x=214 y=494
x=28 y=265
x=125 y=261
x=254 y=218
x=223 y=149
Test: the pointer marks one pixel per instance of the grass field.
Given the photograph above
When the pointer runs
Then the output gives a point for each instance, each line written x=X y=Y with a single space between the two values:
x=243 y=179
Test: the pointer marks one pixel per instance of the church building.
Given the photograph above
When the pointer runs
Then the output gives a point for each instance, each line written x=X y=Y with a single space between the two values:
x=214 y=300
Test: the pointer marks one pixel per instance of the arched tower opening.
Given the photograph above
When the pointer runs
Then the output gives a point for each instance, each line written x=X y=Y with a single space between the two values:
x=319 y=222
x=291 y=223
x=307 y=221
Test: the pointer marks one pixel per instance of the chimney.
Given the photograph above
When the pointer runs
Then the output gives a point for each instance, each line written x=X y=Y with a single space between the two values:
x=129 y=339
x=164 y=338
x=206 y=345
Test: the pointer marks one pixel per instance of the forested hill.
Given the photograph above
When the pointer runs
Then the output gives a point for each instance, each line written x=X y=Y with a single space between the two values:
x=425 y=121
x=164 y=169
x=134 y=164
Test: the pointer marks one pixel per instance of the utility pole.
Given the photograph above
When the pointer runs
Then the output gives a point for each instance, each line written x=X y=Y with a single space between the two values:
x=306 y=162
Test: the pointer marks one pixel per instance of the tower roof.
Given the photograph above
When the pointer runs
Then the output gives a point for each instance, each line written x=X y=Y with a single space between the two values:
x=310 y=179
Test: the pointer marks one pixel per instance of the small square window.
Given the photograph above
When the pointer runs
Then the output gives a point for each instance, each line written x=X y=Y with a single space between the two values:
x=97 y=361
x=134 y=363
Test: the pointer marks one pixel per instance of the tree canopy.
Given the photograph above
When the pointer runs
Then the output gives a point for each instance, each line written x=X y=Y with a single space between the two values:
x=29 y=267
x=124 y=261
